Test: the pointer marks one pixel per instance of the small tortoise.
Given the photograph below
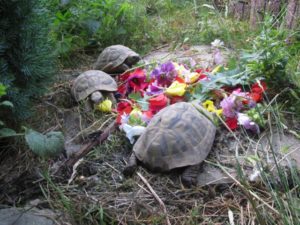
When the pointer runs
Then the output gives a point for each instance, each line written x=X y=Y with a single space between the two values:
x=178 y=136
x=116 y=59
x=91 y=83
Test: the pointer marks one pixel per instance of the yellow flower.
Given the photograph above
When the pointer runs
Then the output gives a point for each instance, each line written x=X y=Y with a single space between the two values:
x=104 y=106
x=181 y=70
x=176 y=89
x=210 y=107
x=191 y=77
x=218 y=69
x=136 y=113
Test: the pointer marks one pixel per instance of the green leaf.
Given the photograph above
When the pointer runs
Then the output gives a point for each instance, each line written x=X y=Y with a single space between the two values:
x=50 y=144
x=7 y=104
x=2 y=90
x=7 y=132
x=135 y=96
x=143 y=102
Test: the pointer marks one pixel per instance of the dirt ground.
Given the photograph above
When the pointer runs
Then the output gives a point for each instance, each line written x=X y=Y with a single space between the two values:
x=94 y=190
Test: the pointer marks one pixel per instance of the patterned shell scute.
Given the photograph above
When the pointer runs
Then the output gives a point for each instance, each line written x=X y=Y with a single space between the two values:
x=178 y=136
x=90 y=81
x=113 y=56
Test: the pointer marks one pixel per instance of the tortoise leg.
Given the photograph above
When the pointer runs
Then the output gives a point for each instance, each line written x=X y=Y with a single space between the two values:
x=131 y=166
x=123 y=67
x=189 y=175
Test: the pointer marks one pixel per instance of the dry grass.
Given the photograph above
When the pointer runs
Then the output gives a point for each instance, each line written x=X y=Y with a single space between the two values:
x=98 y=193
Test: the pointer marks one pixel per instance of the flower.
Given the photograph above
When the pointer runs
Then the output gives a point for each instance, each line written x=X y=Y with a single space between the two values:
x=123 y=107
x=217 y=43
x=246 y=122
x=133 y=131
x=175 y=99
x=157 y=103
x=259 y=87
x=257 y=90
x=122 y=90
x=217 y=56
x=147 y=116
x=180 y=69
x=202 y=75
x=228 y=106
x=210 y=107
x=105 y=106
x=154 y=89
x=165 y=74
x=234 y=103
x=232 y=123
x=176 y=89
x=137 y=80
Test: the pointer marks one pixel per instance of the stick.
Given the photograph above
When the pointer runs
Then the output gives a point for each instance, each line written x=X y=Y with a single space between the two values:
x=161 y=203
x=89 y=146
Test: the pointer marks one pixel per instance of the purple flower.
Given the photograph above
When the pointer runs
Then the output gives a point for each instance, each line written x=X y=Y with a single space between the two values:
x=246 y=122
x=154 y=89
x=228 y=106
x=165 y=74
x=218 y=58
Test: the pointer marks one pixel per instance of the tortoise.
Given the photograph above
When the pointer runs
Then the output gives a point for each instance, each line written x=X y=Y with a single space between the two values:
x=116 y=59
x=177 y=136
x=91 y=83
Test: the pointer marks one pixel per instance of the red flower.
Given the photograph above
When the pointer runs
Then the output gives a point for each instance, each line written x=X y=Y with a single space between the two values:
x=137 y=81
x=259 y=89
x=201 y=72
x=180 y=80
x=232 y=123
x=157 y=103
x=175 y=99
x=122 y=90
x=124 y=76
x=147 y=116
x=255 y=96
x=123 y=107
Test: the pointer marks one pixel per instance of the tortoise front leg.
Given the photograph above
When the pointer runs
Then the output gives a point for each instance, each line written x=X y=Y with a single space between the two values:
x=131 y=166
x=189 y=175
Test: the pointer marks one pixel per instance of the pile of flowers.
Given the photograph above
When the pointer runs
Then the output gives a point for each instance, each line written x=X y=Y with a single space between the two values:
x=143 y=93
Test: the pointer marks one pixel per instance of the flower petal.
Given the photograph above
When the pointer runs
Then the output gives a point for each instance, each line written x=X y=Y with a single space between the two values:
x=176 y=89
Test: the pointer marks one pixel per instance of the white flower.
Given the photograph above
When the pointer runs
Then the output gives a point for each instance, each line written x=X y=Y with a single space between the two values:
x=217 y=43
x=133 y=131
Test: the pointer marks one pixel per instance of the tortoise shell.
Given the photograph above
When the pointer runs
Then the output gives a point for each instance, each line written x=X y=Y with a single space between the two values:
x=178 y=136
x=112 y=58
x=90 y=81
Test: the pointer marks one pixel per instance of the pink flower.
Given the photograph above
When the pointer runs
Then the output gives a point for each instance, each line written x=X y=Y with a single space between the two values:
x=228 y=106
x=246 y=122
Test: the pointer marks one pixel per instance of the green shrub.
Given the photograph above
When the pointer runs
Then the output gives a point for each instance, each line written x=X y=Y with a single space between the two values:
x=89 y=23
x=26 y=61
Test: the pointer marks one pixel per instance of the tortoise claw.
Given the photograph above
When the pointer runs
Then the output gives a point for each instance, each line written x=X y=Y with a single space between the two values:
x=131 y=166
x=189 y=181
x=129 y=170
x=189 y=176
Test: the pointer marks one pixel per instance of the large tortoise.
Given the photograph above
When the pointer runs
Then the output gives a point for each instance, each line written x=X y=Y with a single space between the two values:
x=178 y=136
x=116 y=59
x=91 y=83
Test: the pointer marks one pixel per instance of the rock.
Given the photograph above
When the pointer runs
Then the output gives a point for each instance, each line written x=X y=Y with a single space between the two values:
x=201 y=54
x=16 y=216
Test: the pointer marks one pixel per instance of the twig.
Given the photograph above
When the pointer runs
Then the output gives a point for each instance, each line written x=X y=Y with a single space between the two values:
x=161 y=203
x=74 y=171
x=88 y=147
x=243 y=188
